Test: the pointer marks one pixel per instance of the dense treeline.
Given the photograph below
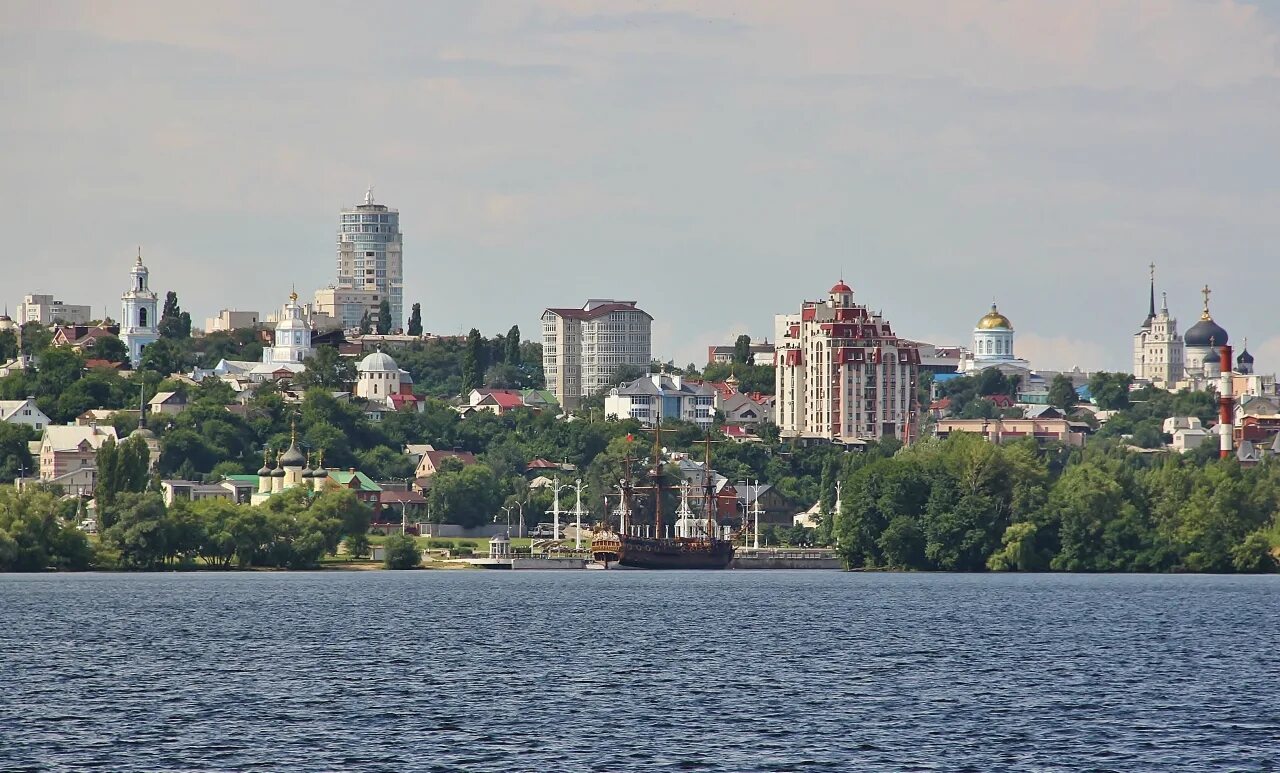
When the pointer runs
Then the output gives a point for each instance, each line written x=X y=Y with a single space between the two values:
x=965 y=504
x=39 y=531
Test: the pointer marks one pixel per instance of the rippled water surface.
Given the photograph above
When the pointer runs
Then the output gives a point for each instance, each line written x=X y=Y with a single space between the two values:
x=622 y=671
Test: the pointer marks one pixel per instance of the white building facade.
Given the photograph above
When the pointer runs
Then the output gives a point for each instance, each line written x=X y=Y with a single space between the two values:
x=292 y=343
x=46 y=310
x=371 y=257
x=583 y=348
x=139 y=319
x=24 y=412
x=842 y=374
x=231 y=319
x=658 y=398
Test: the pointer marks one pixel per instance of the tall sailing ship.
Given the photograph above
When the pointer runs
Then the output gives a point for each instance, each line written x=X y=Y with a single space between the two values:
x=694 y=545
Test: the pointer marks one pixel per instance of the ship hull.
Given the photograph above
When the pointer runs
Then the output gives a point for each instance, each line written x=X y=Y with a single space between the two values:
x=647 y=553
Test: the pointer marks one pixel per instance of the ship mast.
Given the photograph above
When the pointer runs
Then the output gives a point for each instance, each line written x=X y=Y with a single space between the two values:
x=656 y=474
x=709 y=483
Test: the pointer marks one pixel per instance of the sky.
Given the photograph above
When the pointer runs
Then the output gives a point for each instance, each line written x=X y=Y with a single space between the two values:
x=717 y=162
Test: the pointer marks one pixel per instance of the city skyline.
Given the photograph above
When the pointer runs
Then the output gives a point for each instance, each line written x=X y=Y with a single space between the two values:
x=1040 y=156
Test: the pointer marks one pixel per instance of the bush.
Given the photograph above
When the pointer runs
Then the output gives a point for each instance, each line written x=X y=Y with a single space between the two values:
x=401 y=552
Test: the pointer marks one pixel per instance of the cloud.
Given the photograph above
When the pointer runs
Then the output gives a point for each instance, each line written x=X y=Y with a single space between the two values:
x=714 y=165
x=1061 y=352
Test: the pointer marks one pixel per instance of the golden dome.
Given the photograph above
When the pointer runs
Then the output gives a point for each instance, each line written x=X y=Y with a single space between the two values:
x=994 y=320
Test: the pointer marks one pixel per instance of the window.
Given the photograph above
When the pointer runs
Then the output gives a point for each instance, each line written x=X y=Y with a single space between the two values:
x=142 y=317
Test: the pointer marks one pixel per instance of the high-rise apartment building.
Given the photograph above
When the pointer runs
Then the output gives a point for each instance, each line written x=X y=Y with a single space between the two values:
x=842 y=374
x=583 y=348
x=370 y=255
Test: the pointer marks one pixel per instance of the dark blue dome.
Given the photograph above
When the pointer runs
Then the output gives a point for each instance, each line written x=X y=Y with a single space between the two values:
x=1212 y=356
x=1206 y=332
x=1245 y=357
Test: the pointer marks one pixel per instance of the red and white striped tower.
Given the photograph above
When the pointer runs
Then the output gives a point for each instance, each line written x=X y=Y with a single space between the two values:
x=1226 y=404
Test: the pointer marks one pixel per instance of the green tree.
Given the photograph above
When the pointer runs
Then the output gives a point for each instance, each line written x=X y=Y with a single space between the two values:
x=366 y=323
x=474 y=362
x=415 y=320
x=164 y=357
x=33 y=536
x=15 y=454
x=1018 y=552
x=174 y=324
x=327 y=369
x=902 y=544
x=1110 y=391
x=111 y=349
x=384 y=317
x=35 y=338
x=1062 y=393
x=357 y=545
x=468 y=497
x=401 y=552
x=742 y=350
x=511 y=355
x=8 y=346
x=140 y=530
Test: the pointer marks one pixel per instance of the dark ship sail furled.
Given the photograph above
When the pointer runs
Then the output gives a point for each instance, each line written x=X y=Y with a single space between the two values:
x=698 y=548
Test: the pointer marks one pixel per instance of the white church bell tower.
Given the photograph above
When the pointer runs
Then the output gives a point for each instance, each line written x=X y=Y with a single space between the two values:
x=138 y=318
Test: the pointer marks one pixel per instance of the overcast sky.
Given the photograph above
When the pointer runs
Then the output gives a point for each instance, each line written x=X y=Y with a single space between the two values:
x=716 y=162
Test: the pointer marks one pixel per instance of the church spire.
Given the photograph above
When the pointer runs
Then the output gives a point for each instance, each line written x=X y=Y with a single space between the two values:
x=1152 y=313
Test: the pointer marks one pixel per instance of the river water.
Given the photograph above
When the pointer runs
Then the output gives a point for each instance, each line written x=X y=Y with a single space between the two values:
x=638 y=671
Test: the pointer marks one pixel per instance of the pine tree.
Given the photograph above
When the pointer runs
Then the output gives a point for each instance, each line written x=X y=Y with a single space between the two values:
x=415 y=320
x=366 y=324
x=384 y=317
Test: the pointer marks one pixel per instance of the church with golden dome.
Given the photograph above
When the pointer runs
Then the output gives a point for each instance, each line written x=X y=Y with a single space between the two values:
x=993 y=346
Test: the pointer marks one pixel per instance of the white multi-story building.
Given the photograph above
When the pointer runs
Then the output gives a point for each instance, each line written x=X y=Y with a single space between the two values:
x=347 y=305
x=842 y=374
x=583 y=348
x=657 y=398
x=139 y=321
x=370 y=257
x=230 y=319
x=1158 y=355
x=46 y=310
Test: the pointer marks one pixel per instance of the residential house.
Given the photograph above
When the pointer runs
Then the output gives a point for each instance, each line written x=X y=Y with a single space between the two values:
x=68 y=456
x=430 y=465
x=83 y=338
x=232 y=490
x=761 y=353
x=366 y=489
x=658 y=397
x=168 y=403
x=23 y=412
x=496 y=401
